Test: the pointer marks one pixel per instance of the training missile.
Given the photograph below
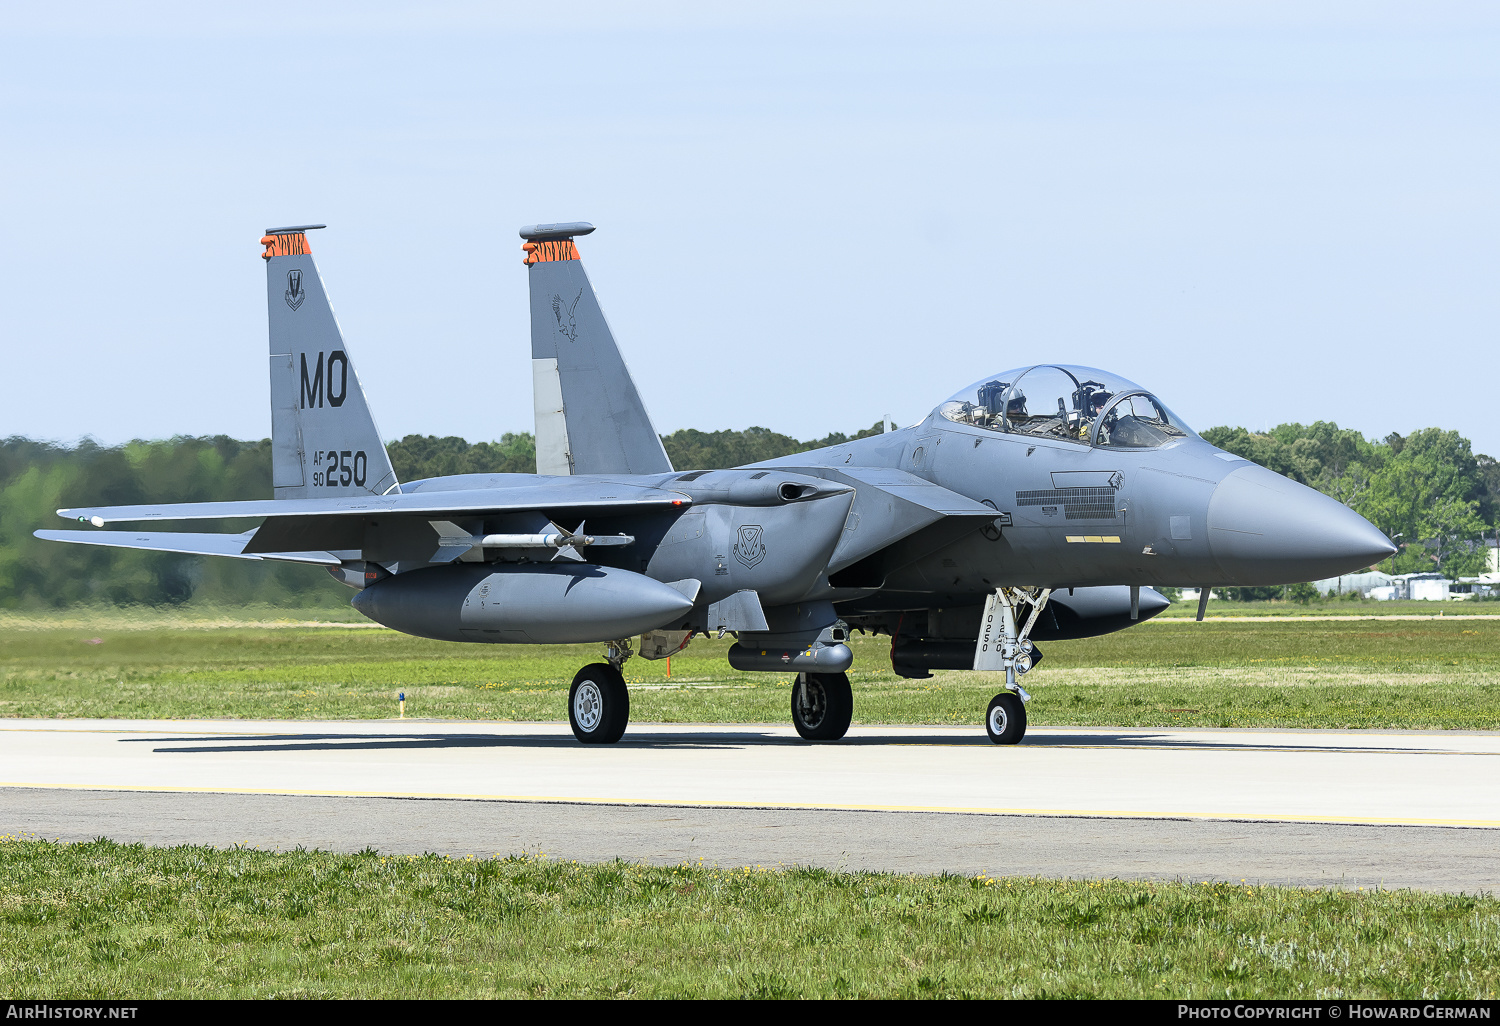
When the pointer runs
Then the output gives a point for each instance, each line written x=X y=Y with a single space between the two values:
x=544 y=603
x=453 y=541
x=546 y=541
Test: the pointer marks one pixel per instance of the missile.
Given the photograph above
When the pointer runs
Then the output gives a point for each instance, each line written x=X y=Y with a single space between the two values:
x=546 y=541
x=454 y=541
x=541 y=603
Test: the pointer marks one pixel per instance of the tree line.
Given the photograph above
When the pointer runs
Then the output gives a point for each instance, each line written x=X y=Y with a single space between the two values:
x=1427 y=490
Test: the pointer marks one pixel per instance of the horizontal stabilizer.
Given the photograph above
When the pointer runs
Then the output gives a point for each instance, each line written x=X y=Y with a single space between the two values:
x=232 y=545
x=530 y=493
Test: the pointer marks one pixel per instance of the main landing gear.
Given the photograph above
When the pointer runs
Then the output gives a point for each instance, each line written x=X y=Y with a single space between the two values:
x=822 y=706
x=1005 y=644
x=599 y=701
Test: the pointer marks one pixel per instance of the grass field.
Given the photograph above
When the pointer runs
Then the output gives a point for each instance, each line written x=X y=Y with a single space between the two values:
x=1308 y=673
x=101 y=920
x=1333 y=607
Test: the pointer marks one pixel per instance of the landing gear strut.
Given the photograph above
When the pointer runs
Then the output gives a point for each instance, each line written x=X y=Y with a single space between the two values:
x=1005 y=645
x=598 y=701
x=822 y=706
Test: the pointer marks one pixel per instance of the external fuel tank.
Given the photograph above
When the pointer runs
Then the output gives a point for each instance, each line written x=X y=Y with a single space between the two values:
x=545 y=604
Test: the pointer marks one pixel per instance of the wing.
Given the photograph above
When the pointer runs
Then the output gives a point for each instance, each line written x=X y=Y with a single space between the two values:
x=531 y=493
x=385 y=527
x=232 y=545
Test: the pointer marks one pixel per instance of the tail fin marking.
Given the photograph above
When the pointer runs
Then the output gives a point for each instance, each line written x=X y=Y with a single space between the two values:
x=589 y=416
x=324 y=443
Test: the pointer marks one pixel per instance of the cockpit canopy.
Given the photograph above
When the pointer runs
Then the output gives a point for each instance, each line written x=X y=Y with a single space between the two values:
x=1074 y=404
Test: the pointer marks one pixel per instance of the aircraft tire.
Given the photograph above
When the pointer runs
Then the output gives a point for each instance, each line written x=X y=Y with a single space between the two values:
x=832 y=706
x=598 y=705
x=1005 y=720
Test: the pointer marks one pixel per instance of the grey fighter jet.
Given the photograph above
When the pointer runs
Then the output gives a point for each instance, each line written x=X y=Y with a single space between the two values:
x=1037 y=504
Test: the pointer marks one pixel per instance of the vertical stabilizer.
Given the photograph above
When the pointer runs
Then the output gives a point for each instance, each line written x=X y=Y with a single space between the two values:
x=589 y=416
x=324 y=442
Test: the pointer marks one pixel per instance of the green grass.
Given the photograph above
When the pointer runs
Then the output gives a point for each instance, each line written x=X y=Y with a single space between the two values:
x=102 y=920
x=1371 y=673
x=1334 y=606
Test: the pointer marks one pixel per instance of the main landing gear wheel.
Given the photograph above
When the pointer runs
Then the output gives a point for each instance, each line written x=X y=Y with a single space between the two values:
x=1005 y=721
x=598 y=705
x=822 y=706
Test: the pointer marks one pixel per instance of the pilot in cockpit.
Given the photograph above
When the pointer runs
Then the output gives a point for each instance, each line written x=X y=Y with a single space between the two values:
x=1015 y=407
x=1090 y=398
x=1092 y=408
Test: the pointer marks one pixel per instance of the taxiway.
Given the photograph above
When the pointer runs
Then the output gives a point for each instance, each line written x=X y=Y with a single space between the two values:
x=1367 y=808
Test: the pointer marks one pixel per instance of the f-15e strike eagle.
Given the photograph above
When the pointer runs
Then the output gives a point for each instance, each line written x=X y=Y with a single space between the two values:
x=1036 y=504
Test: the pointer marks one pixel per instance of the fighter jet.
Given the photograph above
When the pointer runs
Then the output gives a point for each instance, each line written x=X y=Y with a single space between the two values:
x=1038 y=504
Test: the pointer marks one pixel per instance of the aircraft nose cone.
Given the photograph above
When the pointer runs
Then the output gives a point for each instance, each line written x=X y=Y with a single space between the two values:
x=1266 y=529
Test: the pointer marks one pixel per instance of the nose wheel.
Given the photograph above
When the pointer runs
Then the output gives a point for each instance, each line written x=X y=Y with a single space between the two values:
x=1005 y=720
x=822 y=706
x=598 y=705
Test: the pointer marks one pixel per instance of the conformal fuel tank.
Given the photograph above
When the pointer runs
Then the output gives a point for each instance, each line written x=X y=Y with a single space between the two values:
x=549 y=605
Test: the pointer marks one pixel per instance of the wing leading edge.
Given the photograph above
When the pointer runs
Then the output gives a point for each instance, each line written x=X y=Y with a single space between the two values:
x=231 y=545
x=565 y=494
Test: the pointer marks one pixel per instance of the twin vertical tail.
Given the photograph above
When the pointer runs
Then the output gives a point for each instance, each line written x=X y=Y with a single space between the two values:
x=324 y=443
x=589 y=416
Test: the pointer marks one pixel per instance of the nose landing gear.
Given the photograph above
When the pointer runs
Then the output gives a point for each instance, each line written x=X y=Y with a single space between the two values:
x=1003 y=645
x=1005 y=720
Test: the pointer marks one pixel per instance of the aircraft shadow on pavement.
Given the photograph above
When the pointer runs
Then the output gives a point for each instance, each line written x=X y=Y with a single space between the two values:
x=718 y=741
x=397 y=742
x=1159 y=741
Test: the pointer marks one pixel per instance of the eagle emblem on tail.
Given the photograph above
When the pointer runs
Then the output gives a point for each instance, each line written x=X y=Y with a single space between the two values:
x=564 y=314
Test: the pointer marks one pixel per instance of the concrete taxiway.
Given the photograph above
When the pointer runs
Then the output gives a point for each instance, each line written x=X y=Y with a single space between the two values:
x=1361 y=808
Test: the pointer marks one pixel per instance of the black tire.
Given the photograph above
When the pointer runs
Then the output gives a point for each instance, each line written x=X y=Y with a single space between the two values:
x=598 y=705
x=1005 y=720
x=831 y=706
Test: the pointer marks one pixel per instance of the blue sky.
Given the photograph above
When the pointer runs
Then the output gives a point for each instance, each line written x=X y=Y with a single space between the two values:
x=809 y=215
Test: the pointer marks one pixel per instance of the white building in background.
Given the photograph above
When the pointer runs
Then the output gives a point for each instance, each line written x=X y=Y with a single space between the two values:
x=1425 y=587
x=1428 y=587
x=1361 y=583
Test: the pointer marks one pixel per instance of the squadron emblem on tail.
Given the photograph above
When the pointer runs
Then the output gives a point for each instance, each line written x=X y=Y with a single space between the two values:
x=294 y=292
x=751 y=548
